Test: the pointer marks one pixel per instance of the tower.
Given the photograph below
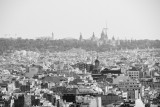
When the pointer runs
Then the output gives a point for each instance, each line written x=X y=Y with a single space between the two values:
x=104 y=35
x=93 y=38
x=80 y=37
x=97 y=62
x=52 y=36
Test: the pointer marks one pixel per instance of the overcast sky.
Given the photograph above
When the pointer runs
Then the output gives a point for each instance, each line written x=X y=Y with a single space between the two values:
x=137 y=19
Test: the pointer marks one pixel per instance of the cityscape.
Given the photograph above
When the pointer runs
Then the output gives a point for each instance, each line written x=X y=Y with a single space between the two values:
x=60 y=54
x=125 y=77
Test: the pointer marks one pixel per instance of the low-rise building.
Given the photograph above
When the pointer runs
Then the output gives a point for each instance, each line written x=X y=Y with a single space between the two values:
x=110 y=98
x=146 y=82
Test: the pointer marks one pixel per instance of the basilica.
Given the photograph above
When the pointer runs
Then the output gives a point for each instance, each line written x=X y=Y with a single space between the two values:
x=103 y=40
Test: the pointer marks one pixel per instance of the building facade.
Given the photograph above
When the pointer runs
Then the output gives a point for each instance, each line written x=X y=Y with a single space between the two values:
x=130 y=86
x=133 y=73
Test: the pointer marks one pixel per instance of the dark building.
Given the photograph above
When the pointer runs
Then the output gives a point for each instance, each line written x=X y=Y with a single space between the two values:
x=97 y=63
x=4 y=85
x=44 y=85
x=110 y=80
x=17 y=84
x=96 y=71
x=25 y=88
x=111 y=71
x=90 y=67
x=19 y=102
x=97 y=76
x=34 y=101
x=96 y=67
x=82 y=66
x=110 y=98
x=69 y=94
x=51 y=98
x=59 y=90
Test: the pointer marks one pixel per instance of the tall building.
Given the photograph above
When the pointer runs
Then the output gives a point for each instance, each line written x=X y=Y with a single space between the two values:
x=96 y=70
x=133 y=73
x=80 y=37
x=52 y=36
x=97 y=64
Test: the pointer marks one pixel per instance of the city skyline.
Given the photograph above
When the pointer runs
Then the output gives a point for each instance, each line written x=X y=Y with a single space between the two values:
x=125 y=19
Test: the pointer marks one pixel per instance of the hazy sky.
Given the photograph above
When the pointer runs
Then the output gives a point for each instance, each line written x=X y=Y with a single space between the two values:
x=137 y=19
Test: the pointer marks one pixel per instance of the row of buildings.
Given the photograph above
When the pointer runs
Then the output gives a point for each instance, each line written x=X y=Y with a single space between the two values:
x=77 y=78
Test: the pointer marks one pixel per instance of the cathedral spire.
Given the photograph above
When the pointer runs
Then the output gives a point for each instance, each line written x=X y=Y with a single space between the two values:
x=104 y=35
